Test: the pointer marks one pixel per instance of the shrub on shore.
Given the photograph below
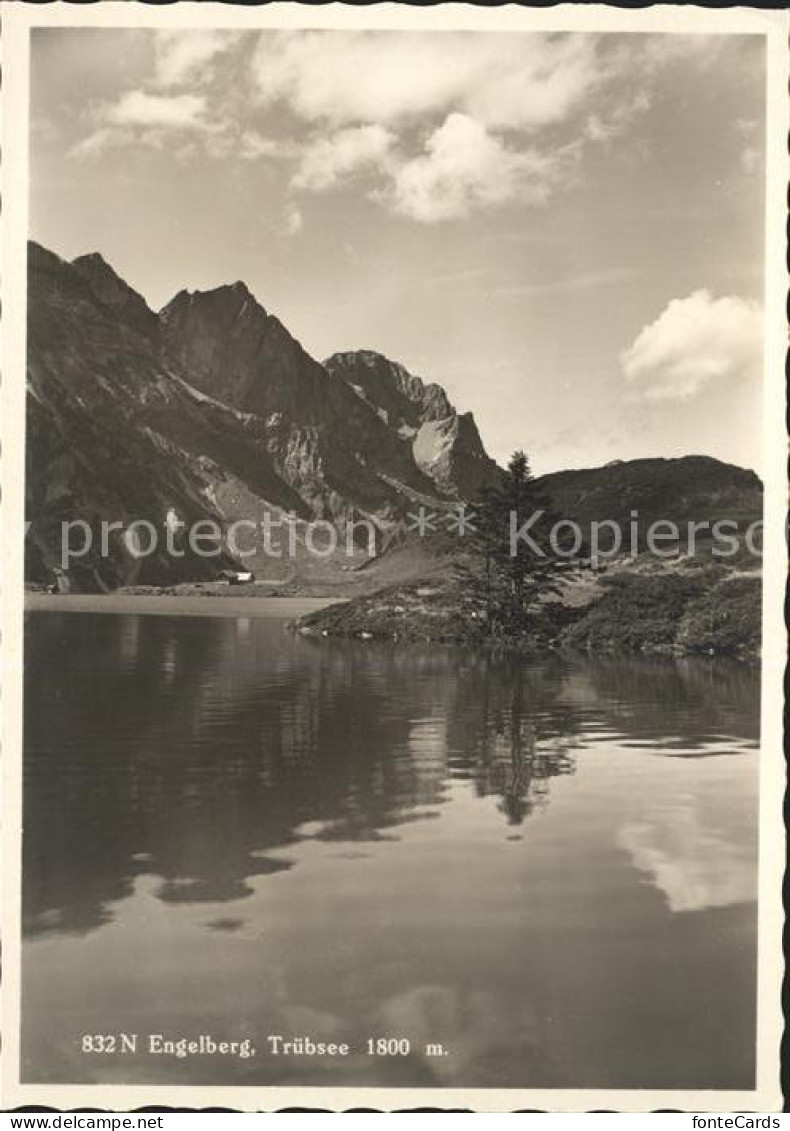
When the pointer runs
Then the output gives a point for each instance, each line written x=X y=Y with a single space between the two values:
x=703 y=611
x=727 y=620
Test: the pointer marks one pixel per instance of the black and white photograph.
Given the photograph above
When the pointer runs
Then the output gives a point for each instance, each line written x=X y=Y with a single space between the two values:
x=393 y=487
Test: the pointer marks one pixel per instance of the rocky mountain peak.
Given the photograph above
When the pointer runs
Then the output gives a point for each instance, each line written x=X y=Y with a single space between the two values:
x=220 y=304
x=52 y=277
x=94 y=260
x=445 y=446
x=390 y=387
x=216 y=406
x=220 y=412
x=228 y=346
x=114 y=293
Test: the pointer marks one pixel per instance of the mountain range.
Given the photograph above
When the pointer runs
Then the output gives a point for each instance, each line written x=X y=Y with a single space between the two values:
x=211 y=410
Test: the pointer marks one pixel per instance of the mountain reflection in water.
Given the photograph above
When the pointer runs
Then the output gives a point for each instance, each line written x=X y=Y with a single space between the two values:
x=255 y=785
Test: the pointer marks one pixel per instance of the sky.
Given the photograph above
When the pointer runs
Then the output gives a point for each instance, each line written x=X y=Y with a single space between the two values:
x=566 y=231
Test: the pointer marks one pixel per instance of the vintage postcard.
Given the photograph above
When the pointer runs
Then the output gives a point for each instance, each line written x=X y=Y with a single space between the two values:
x=393 y=500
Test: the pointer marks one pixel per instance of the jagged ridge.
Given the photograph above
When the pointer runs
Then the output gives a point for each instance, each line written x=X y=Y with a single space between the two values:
x=213 y=409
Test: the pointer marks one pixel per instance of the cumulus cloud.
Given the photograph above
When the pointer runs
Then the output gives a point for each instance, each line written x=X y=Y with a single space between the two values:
x=139 y=108
x=252 y=145
x=447 y=123
x=752 y=154
x=182 y=120
x=600 y=128
x=326 y=160
x=294 y=221
x=98 y=142
x=464 y=167
x=747 y=126
x=188 y=56
x=695 y=341
x=505 y=81
x=537 y=83
x=141 y=118
x=226 y=140
x=751 y=160
x=441 y=124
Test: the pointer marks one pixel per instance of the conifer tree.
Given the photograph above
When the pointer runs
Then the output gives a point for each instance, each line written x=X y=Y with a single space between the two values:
x=504 y=578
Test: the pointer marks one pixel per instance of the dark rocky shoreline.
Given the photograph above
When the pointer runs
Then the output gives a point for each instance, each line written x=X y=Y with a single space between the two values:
x=636 y=608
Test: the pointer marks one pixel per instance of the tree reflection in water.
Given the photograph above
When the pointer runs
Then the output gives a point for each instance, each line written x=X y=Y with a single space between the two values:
x=198 y=750
x=514 y=762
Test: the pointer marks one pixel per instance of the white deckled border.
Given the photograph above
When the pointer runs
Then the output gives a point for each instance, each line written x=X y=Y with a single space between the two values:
x=17 y=21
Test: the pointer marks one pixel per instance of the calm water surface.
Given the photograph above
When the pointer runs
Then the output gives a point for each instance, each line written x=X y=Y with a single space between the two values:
x=549 y=867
